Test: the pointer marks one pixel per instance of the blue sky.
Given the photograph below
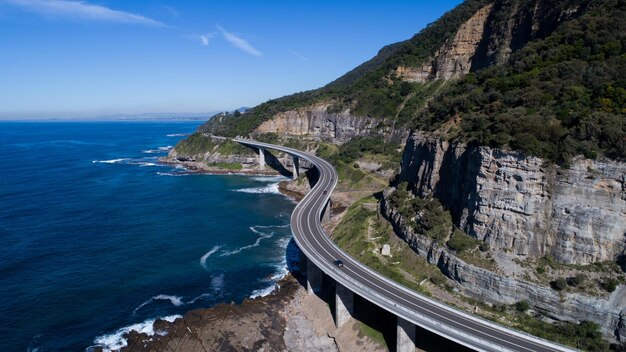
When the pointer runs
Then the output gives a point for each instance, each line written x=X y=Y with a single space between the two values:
x=61 y=58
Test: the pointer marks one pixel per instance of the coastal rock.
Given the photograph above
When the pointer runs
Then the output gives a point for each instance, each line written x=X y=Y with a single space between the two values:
x=316 y=122
x=518 y=204
x=499 y=288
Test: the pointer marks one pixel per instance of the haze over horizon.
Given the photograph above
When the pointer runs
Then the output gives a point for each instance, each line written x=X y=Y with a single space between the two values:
x=71 y=59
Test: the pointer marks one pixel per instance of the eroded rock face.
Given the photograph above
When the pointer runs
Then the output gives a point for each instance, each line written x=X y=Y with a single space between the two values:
x=316 y=122
x=488 y=38
x=500 y=288
x=454 y=58
x=516 y=203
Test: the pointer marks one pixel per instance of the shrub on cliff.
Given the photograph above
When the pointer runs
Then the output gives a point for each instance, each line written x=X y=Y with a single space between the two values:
x=459 y=241
x=559 y=284
x=522 y=306
x=609 y=284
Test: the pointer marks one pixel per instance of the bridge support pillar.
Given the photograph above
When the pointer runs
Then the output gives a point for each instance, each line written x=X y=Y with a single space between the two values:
x=405 y=336
x=314 y=277
x=344 y=304
x=261 y=158
x=295 y=167
x=326 y=213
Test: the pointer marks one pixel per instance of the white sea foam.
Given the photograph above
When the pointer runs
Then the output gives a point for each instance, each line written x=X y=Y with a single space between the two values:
x=174 y=300
x=262 y=236
x=151 y=151
x=270 y=189
x=112 y=161
x=200 y=297
x=174 y=174
x=217 y=282
x=281 y=271
x=207 y=255
x=178 y=134
x=116 y=341
x=166 y=148
x=262 y=292
x=270 y=178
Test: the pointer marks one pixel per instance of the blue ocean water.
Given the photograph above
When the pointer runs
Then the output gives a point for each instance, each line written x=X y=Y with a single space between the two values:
x=97 y=236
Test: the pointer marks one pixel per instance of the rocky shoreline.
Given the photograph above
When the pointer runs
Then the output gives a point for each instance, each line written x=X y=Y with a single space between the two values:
x=196 y=167
x=255 y=324
x=266 y=323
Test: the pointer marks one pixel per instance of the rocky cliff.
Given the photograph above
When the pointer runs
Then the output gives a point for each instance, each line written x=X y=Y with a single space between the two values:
x=501 y=288
x=521 y=205
x=454 y=57
x=316 y=122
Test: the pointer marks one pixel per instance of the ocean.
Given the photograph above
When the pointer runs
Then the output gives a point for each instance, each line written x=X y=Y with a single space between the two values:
x=99 y=238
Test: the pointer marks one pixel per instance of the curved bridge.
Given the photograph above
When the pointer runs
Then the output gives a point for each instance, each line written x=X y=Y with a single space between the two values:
x=409 y=306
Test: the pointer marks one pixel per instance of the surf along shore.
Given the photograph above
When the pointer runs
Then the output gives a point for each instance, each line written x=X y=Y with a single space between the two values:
x=283 y=319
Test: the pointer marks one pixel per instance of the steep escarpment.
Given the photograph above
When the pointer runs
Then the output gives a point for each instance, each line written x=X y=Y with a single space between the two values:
x=520 y=204
x=317 y=123
x=499 y=287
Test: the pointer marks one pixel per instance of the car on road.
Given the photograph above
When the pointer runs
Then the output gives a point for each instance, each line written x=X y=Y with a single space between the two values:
x=338 y=263
x=325 y=192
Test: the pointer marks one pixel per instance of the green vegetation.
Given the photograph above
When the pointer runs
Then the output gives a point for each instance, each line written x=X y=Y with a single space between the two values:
x=352 y=236
x=227 y=166
x=364 y=85
x=426 y=216
x=559 y=284
x=357 y=148
x=372 y=333
x=585 y=336
x=198 y=143
x=556 y=98
x=460 y=242
x=195 y=144
x=522 y=306
x=561 y=93
x=609 y=284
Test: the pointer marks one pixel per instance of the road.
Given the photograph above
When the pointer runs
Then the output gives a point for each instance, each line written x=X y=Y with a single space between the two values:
x=449 y=322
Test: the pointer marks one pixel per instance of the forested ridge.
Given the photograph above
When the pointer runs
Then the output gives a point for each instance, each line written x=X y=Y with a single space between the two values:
x=560 y=93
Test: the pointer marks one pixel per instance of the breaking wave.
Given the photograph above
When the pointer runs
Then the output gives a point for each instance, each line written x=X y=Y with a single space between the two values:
x=112 y=161
x=270 y=178
x=281 y=269
x=269 y=189
x=207 y=255
x=116 y=341
x=174 y=300
x=262 y=236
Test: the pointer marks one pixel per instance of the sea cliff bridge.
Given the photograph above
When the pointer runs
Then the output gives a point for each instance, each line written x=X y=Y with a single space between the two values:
x=409 y=307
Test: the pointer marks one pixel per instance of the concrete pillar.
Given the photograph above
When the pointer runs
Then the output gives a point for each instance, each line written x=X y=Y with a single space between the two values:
x=405 y=336
x=314 y=277
x=261 y=158
x=295 y=167
x=326 y=213
x=344 y=304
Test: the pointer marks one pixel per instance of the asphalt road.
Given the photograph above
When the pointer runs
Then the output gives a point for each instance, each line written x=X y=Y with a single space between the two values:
x=462 y=327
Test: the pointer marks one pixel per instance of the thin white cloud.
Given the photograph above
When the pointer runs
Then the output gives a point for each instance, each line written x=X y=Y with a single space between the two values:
x=239 y=42
x=80 y=10
x=298 y=55
x=205 y=39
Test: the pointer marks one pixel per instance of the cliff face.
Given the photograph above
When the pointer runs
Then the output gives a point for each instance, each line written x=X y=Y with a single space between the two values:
x=316 y=122
x=488 y=38
x=499 y=288
x=454 y=58
x=515 y=203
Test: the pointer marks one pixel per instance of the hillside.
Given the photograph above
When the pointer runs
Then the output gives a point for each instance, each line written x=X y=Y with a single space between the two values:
x=494 y=142
x=544 y=77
